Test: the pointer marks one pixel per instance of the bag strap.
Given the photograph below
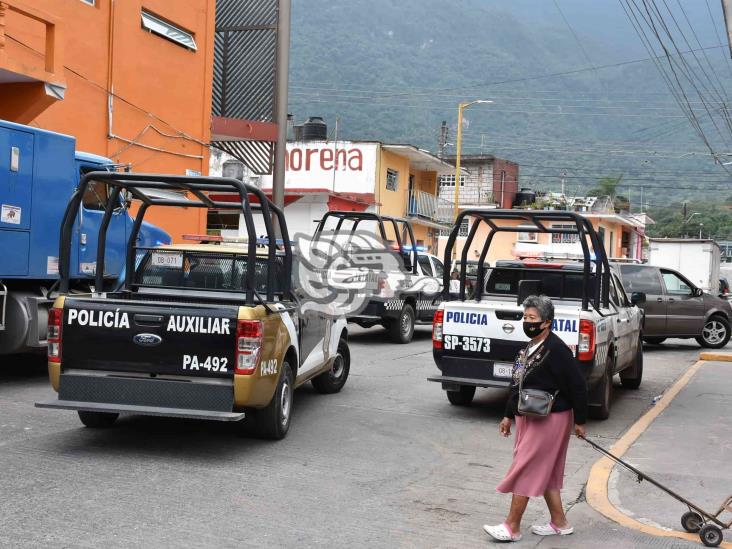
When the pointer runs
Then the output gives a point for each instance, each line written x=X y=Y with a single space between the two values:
x=534 y=366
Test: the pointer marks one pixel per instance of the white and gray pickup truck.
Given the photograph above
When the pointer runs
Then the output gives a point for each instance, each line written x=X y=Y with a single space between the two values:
x=475 y=341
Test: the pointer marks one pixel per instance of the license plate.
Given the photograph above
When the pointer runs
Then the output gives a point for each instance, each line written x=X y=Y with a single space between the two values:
x=174 y=261
x=467 y=343
x=502 y=370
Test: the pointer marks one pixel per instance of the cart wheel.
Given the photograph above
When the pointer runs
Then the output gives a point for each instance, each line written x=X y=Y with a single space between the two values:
x=710 y=535
x=691 y=522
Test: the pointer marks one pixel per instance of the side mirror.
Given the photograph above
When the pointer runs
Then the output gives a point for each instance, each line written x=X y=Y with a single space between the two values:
x=638 y=298
x=698 y=292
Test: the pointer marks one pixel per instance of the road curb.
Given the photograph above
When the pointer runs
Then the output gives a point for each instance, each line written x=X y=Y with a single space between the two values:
x=711 y=356
x=597 y=483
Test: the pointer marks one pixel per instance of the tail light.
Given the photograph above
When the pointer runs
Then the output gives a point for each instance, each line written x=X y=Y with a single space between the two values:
x=437 y=329
x=248 y=345
x=586 y=347
x=55 y=319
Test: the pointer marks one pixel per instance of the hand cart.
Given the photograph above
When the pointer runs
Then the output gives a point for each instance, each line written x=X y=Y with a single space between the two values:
x=708 y=525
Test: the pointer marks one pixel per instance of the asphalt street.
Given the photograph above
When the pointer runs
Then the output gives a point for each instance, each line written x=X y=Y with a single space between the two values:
x=385 y=463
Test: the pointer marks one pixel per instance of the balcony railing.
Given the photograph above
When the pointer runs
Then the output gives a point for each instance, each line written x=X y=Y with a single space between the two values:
x=428 y=206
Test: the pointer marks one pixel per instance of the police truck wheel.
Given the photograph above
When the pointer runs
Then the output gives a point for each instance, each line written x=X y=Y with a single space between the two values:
x=97 y=420
x=273 y=421
x=463 y=397
x=632 y=376
x=715 y=333
x=335 y=378
x=691 y=522
x=710 y=535
x=401 y=329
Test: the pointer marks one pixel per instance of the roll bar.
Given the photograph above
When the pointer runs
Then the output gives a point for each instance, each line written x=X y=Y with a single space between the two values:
x=136 y=183
x=358 y=217
x=582 y=227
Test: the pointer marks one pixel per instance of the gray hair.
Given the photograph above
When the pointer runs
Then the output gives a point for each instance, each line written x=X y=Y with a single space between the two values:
x=542 y=304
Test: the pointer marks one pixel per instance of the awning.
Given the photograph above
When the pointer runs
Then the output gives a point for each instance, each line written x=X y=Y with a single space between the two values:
x=422 y=160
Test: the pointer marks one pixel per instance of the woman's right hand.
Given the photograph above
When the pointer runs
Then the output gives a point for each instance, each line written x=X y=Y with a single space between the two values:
x=505 y=426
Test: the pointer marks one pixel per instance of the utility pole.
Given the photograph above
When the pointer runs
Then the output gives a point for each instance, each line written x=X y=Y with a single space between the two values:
x=727 y=11
x=564 y=175
x=335 y=151
x=282 y=83
x=443 y=140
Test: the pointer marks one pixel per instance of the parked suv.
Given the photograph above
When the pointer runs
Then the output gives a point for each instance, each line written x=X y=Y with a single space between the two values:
x=674 y=307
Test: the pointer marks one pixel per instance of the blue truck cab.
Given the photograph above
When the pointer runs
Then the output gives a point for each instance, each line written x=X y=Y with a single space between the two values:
x=39 y=172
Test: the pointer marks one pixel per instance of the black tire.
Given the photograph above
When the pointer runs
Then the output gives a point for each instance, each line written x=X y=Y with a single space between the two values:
x=691 y=522
x=710 y=535
x=273 y=421
x=401 y=329
x=602 y=410
x=335 y=378
x=97 y=420
x=462 y=397
x=715 y=333
x=654 y=340
x=632 y=376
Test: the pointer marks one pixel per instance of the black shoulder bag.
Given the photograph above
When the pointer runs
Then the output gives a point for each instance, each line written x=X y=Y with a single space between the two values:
x=534 y=402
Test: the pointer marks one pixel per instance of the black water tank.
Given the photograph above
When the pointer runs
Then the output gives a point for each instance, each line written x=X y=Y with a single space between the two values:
x=524 y=197
x=315 y=129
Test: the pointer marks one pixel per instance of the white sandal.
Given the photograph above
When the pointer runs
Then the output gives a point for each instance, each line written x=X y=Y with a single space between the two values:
x=501 y=532
x=551 y=529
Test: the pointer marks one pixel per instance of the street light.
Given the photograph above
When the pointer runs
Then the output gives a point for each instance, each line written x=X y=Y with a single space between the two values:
x=461 y=108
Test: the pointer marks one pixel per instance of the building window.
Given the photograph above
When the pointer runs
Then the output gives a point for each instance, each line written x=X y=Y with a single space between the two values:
x=392 y=180
x=168 y=30
x=464 y=227
x=565 y=238
x=531 y=237
x=449 y=181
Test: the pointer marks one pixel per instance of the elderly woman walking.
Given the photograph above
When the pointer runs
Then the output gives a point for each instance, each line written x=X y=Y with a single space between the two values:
x=546 y=369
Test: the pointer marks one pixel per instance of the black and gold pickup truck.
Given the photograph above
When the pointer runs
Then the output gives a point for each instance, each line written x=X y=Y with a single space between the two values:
x=205 y=331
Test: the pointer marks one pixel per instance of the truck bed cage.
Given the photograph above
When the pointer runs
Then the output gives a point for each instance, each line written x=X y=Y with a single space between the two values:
x=137 y=183
x=537 y=224
x=381 y=220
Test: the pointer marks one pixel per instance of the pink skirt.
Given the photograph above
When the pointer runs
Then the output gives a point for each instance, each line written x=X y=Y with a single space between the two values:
x=539 y=454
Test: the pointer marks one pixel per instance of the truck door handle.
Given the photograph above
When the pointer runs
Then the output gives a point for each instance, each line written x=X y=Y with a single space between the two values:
x=659 y=299
x=623 y=320
x=148 y=320
x=671 y=300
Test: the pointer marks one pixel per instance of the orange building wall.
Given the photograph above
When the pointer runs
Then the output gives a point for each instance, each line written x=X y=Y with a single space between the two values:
x=161 y=103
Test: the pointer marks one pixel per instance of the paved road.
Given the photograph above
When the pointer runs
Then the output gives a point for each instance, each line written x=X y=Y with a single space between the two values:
x=385 y=463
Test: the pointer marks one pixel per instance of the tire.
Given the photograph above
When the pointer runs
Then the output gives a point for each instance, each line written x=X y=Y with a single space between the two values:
x=463 y=397
x=632 y=376
x=654 y=340
x=710 y=535
x=335 y=378
x=602 y=411
x=273 y=421
x=692 y=522
x=401 y=329
x=715 y=333
x=97 y=420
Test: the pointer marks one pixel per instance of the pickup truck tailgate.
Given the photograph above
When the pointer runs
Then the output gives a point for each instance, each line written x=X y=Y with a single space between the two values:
x=481 y=339
x=139 y=337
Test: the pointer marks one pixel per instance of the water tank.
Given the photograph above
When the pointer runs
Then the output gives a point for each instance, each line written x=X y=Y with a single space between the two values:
x=524 y=197
x=233 y=168
x=315 y=129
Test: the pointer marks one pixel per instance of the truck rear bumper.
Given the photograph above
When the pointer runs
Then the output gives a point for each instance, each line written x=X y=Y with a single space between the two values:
x=448 y=381
x=198 y=398
x=140 y=410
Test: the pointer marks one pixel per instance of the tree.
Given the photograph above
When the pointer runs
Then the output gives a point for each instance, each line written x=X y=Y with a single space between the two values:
x=607 y=186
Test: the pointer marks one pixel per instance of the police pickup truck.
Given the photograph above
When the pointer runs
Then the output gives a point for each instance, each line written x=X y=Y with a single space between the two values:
x=475 y=341
x=405 y=283
x=196 y=331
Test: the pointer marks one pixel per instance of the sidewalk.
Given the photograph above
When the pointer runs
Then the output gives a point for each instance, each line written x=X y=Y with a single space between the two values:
x=687 y=448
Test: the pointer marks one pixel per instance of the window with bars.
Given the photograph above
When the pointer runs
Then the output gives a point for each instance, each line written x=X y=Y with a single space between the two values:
x=392 y=180
x=449 y=181
x=564 y=238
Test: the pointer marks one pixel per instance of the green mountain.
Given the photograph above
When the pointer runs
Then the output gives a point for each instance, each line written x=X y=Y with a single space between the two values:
x=393 y=70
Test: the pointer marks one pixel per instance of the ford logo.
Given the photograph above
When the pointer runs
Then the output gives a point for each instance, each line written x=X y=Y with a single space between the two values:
x=508 y=328
x=147 y=340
